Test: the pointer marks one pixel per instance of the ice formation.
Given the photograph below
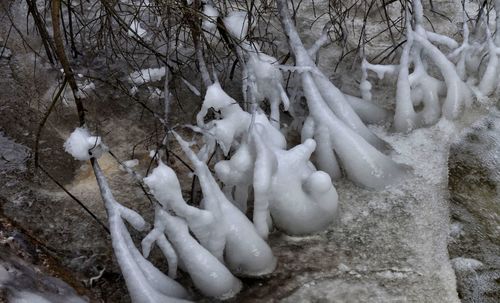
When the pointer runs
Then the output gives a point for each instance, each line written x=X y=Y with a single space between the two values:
x=261 y=161
x=267 y=83
x=300 y=199
x=209 y=275
x=83 y=146
x=343 y=134
x=262 y=78
x=145 y=283
x=165 y=186
x=210 y=17
x=469 y=68
x=245 y=252
x=224 y=236
x=235 y=121
x=216 y=242
x=236 y=24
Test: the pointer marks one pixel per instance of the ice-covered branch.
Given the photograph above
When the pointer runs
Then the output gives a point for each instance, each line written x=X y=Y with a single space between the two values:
x=145 y=283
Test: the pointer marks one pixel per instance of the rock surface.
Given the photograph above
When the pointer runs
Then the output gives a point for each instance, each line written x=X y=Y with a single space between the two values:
x=474 y=184
x=474 y=173
x=5 y=52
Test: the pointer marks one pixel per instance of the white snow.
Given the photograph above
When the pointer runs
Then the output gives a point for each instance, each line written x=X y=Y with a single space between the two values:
x=83 y=146
x=85 y=88
x=5 y=52
x=236 y=24
x=146 y=76
x=28 y=297
x=129 y=164
x=136 y=29
x=210 y=17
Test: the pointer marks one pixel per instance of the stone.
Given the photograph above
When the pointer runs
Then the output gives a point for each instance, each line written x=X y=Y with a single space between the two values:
x=474 y=242
x=5 y=52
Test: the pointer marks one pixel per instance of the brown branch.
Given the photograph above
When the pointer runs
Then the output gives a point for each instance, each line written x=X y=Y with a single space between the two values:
x=61 y=55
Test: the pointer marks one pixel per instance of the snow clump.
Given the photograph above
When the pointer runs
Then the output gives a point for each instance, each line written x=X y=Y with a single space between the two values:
x=83 y=146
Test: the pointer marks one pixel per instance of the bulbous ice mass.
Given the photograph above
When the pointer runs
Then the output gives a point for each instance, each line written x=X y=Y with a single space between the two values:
x=302 y=200
x=165 y=187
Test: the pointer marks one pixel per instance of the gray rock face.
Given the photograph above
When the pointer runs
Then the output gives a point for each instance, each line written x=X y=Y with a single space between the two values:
x=474 y=176
x=12 y=155
x=23 y=282
x=474 y=182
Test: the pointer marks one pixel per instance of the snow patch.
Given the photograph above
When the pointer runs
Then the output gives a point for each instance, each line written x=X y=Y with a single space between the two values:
x=146 y=75
x=83 y=146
